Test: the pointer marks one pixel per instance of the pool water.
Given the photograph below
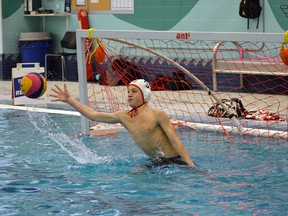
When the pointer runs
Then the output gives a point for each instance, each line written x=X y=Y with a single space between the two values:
x=46 y=170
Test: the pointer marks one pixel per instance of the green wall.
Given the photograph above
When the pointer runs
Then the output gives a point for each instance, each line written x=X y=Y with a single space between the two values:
x=168 y=15
x=13 y=23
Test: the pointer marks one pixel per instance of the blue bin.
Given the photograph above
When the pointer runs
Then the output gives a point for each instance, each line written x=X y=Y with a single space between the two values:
x=34 y=47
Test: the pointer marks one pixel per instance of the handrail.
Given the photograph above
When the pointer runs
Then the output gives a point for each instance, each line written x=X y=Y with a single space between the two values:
x=215 y=50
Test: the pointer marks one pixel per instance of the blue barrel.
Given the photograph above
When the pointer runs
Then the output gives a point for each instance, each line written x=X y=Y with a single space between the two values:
x=34 y=46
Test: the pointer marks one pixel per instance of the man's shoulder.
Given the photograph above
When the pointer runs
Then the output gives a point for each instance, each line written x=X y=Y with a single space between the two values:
x=159 y=113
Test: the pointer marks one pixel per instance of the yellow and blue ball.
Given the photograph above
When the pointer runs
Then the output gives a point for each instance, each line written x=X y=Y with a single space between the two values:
x=33 y=85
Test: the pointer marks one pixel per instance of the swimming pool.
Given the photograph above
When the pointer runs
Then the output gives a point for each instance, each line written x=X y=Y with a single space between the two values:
x=46 y=170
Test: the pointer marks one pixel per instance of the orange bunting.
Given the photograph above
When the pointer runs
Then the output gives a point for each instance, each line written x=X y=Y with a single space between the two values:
x=284 y=54
x=100 y=52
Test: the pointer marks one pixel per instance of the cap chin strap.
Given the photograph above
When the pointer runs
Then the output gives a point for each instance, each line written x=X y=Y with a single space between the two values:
x=133 y=111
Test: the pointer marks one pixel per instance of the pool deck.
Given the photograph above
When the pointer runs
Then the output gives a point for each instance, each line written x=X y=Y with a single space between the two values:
x=197 y=101
x=247 y=99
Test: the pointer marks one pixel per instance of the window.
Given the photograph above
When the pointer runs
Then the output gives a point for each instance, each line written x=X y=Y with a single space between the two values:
x=122 y=6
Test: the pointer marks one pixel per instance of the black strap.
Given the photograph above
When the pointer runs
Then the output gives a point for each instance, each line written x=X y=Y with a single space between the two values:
x=257 y=22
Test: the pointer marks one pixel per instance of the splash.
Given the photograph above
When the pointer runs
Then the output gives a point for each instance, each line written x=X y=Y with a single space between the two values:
x=71 y=145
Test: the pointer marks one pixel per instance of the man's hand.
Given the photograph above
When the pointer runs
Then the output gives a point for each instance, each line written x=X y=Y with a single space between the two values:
x=60 y=94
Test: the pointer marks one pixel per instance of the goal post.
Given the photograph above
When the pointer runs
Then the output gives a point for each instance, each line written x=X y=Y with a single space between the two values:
x=81 y=67
x=234 y=65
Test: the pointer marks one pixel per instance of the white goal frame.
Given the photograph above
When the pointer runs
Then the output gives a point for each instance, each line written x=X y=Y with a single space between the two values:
x=81 y=35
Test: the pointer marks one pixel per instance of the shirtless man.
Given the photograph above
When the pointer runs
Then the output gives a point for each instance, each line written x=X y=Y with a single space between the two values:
x=150 y=128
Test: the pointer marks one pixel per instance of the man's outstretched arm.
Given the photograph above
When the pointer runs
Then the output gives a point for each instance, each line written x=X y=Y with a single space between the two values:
x=64 y=96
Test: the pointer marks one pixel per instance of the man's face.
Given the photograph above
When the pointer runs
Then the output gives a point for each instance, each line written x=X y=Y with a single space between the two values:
x=135 y=97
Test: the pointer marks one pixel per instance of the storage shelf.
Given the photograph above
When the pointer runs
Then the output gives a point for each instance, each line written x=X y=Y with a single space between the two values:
x=66 y=15
x=48 y=15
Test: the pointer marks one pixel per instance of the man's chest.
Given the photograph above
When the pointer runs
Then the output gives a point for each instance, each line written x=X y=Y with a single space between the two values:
x=141 y=125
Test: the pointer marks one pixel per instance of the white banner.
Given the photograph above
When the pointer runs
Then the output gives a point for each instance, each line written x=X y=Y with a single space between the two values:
x=18 y=98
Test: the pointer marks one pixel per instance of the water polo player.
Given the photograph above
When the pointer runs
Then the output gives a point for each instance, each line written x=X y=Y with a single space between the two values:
x=150 y=128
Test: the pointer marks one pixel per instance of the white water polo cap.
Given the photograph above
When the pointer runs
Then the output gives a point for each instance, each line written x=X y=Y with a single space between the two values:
x=145 y=88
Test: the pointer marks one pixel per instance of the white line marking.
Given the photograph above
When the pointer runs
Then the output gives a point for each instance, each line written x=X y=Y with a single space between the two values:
x=41 y=110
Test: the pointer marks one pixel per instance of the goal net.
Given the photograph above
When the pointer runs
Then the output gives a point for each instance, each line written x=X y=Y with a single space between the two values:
x=200 y=80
